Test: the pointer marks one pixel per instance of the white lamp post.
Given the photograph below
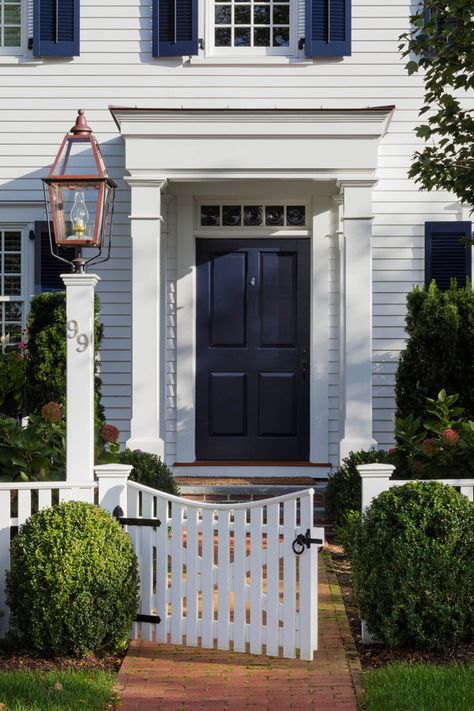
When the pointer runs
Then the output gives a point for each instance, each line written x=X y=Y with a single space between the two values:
x=78 y=203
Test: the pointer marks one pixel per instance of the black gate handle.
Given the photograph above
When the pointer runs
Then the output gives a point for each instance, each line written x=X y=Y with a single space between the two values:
x=304 y=540
x=124 y=521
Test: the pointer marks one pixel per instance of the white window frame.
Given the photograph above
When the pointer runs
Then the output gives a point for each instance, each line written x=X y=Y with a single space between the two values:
x=22 y=49
x=27 y=271
x=206 y=10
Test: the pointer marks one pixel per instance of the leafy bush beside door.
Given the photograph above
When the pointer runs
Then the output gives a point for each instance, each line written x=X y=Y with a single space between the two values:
x=46 y=362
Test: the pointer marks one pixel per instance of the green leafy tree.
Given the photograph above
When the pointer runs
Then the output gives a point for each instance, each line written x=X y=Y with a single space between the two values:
x=439 y=351
x=46 y=362
x=440 y=45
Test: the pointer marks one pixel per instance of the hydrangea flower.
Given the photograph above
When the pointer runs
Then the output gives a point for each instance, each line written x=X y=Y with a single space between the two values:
x=52 y=412
x=450 y=437
x=110 y=433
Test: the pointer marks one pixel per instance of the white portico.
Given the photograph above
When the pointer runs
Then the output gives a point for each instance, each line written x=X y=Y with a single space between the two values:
x=325 y=160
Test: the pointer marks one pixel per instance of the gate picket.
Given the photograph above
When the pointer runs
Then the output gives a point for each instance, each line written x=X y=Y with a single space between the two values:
x=273 y=579
x=192 y=572
x=239 y=579
x=161 y=543
x=195 y=567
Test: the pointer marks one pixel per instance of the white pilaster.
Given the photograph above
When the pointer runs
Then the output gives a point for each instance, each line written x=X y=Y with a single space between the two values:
x=356 y=338
x=80 y=376
x=148 y=296
x=319 y=384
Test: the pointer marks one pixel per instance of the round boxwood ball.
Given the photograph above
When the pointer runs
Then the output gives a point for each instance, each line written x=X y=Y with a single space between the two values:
x=413 y=567
x=72 y=587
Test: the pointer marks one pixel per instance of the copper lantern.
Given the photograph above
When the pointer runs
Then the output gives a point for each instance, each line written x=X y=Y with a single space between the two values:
x=79 y=195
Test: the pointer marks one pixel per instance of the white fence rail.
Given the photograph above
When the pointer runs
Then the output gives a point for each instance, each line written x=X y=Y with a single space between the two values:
x=226 y=575
x=17 y=502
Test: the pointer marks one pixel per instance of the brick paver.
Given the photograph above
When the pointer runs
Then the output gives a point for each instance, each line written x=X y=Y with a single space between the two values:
x=175 y=678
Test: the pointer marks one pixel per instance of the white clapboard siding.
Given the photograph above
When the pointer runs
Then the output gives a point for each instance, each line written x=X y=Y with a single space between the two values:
x=219 y=570
x=38 y=99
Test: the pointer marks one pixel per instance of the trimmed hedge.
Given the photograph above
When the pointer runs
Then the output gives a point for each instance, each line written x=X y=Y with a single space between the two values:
x=440 y=347
x=413 y=567
x=149 y=470
x=72 y=587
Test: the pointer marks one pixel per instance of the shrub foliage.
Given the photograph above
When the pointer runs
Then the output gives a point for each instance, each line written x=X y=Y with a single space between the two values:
x=413 y=567
x=439 y=350
x=46 y=362
x=72 y=587
x=343 y=490
x=148 y=469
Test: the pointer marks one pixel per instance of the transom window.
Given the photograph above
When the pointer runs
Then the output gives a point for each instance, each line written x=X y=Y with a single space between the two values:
x=257 y=26
x=12 y=301
x=258 y=215
x=10 y=25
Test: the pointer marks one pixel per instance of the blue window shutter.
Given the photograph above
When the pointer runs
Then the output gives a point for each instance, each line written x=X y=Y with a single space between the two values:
x=47 y=267
x=328 y=28
x=446 y=257
x=175 y=27
x=56 y=28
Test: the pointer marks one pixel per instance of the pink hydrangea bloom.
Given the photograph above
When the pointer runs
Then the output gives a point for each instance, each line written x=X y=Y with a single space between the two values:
x=450 y=437
x=429 y=446
x=51 y=412
x=110 y=433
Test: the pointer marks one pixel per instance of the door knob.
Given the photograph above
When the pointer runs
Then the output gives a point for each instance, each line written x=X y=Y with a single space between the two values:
x=252 y=281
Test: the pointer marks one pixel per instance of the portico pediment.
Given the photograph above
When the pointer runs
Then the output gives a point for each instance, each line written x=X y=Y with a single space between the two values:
x=185 y=144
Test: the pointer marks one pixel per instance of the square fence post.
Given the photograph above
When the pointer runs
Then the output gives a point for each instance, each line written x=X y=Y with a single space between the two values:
x=375 y=479
x=112 y=480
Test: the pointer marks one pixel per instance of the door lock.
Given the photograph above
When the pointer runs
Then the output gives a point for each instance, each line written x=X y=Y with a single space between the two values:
x=252 y=281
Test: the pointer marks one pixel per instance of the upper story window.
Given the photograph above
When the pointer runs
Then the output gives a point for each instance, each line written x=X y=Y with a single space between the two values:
x=246 y=28
x=251 y=26
x=11 y=22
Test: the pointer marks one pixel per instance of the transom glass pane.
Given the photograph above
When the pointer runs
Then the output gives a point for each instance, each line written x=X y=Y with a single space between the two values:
x=10 y=23
x=252 y=23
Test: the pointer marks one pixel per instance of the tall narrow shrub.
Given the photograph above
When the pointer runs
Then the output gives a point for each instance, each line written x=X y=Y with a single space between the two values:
x=440 y=349
x=46 y=368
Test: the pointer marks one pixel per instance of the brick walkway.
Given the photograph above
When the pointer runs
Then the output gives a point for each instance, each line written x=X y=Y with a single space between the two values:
x=172 y=678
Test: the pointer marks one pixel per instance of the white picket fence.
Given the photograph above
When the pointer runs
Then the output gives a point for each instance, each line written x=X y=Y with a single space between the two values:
x=17 y=502
x=226 y=576
x=218 y=576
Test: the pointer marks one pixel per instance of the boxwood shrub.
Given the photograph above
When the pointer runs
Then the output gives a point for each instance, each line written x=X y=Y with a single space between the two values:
x=72 y=587
x=413 y=567
x=148 y=469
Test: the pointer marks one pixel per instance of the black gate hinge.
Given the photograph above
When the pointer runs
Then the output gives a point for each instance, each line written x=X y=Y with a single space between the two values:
x=153 y=619
x=304 y=540
x=125 y=521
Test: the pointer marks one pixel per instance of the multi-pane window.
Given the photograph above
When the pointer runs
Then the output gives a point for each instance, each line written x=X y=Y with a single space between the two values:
x=10 y=24
x=252 y=23
x=12 y=301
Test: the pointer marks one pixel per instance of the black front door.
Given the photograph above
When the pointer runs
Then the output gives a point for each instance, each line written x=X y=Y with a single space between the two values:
x=252 y=381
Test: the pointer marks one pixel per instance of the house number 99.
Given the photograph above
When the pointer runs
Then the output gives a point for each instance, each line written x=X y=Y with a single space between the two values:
x=82 y=339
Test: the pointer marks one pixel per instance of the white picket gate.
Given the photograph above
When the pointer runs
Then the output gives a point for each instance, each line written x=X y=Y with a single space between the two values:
x=226 y=575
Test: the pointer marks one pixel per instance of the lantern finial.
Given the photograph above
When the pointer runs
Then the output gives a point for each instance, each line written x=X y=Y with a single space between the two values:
x=81 y=128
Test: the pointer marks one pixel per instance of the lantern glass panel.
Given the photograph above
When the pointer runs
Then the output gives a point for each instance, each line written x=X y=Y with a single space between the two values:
x=77 y=211
x=78 y=157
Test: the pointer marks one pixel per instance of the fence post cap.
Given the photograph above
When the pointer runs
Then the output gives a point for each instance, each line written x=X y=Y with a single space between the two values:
x=113 y=470
x=375 y=470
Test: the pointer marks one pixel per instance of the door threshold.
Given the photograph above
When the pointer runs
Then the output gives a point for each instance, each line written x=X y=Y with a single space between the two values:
x=246 y=463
